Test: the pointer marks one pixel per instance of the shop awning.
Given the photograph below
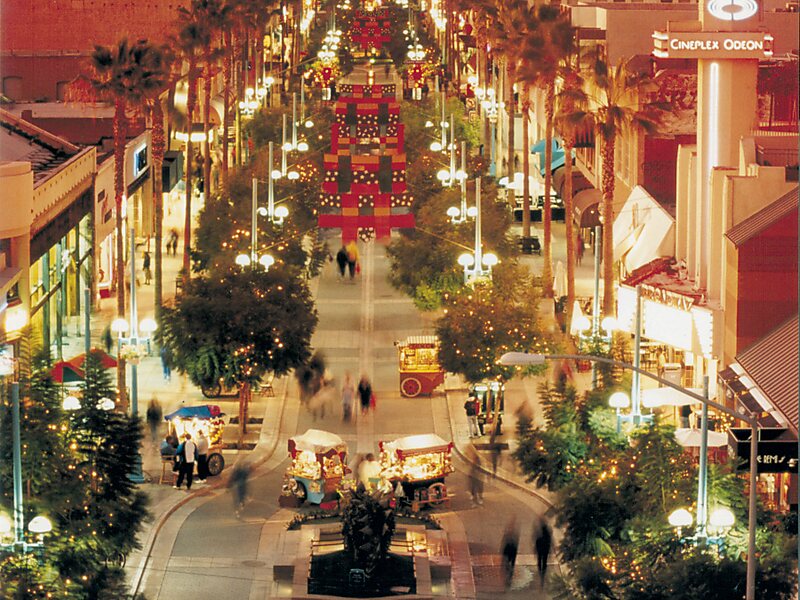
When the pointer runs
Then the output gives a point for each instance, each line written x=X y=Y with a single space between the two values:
x=106 y=360
x=204 y=412
x=317 y=442
x=579 y=181
x=421 y=444
x=690 y=438
x=586 y=207
x=644 y=230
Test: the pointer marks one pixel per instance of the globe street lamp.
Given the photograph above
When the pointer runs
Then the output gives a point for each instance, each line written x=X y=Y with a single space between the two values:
x=132 y=347
x=523 y=358
x=477 y=265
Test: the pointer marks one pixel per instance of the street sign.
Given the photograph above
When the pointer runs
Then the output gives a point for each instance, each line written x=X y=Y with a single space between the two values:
x=777 y=451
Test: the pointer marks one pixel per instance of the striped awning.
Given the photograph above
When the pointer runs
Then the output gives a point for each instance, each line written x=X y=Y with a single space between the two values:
x=771 y=364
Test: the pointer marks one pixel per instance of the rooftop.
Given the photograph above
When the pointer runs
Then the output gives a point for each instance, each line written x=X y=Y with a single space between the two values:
x=768 y=215
x=25 y=142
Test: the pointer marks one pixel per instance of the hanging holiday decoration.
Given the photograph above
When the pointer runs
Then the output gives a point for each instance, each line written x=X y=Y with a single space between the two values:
x=364 y=189
x=371 y=29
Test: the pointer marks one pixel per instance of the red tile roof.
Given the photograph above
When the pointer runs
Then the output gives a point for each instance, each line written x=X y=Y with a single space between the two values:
x=772 y=363
x=756 y=223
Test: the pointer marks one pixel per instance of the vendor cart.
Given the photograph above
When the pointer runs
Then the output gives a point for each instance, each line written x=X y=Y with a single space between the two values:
x=489 y=395
x=319 y=461
x=420 y=372
x=207 y=418
x=419 y=463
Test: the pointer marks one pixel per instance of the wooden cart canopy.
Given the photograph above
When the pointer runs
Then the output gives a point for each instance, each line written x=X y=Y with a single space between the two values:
x=419 y=341
x=317 y=441
x=426 y=443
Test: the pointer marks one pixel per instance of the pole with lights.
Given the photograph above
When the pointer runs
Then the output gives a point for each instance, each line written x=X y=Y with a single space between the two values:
x=524 y=358
x=477 y=265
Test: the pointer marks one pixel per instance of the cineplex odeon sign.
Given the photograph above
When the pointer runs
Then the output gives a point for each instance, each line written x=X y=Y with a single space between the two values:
x=701 y=44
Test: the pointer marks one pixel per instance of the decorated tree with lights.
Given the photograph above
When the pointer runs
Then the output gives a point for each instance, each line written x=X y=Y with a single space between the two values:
x=239 y=326
x=483 y=322
x=97 y=527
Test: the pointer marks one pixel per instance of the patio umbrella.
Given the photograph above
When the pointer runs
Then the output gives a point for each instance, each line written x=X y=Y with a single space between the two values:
x=690 y=438
x=667 y=396
x=106 y=360
x=64 y=372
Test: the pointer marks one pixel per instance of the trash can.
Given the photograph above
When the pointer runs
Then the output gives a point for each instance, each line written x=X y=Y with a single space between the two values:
x=673 y=372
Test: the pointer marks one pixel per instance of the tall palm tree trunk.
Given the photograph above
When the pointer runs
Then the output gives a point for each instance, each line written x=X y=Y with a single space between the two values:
x=206 y=127
x=526 y=187
x=547 y=269
x=159 y=147
x=512 y=109
x=226 y=101
x=120 y=129
x=607 y=154
x=191 y=101
x=570 y=228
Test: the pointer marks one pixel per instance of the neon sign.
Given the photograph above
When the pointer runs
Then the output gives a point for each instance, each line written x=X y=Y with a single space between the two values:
x=732 y=10
x=708 y=44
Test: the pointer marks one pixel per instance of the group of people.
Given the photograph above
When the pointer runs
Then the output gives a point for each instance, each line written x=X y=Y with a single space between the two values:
x=366 y=397
x=542 y=538
x=186 y=454
x=347 y=260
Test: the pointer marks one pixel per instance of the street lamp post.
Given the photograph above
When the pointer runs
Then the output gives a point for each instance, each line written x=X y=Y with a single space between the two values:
x=474 y=263
x=134 y=340
x=38 y=525
x=523 y=358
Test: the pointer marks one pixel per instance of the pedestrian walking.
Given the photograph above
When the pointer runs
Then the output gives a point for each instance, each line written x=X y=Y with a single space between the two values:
x=172 y=241
x=369 y=472
x=579 y=248
x=471 y=408
x=494 y=448
x=202 y=456
x=148 y=274
x=348 y=394
x=166 y=360
x=187 y=454
x=153 y=416
x=476 y=480
x=365 y=394
x=425 y=90
x=238 y=485
x=543 y=540
x=508 y=550
x=341 y=261
x=352 y=258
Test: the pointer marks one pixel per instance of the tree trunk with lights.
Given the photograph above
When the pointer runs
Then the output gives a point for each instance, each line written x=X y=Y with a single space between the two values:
x=511 y=109
x=226 y=101
x=207 y=75
x=120 y=131
x=159 y=147
x=191 y=102
x=608 y=182
x=547 y=269
x=244 y=401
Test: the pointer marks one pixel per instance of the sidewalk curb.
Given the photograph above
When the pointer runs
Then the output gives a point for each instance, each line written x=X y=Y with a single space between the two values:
x=147 y=547
x=500 y=476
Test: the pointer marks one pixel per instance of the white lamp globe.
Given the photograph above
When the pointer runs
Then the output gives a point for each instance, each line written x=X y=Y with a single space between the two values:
x=288 y=146
x=490 y=259
x=721 y=518
x=147 y=325
x=461 y=175
x=466 y=260
x=309 y=124
x=276 y=174
x=106 y=404
x=243 y=260
x=267 y=261
x=5 y=525
x=428 y=124
x=619 y=400
x=40 y=525
x=302 y=146
x=71 y=403
x=472 y=212
x=293 y=175
x=269 y=80
x=582 y=323
x=281 y=212
x=119 y=325
x=609 y=323
x=436 y=147
x=443 y=175
x=453 y=212
x=680 y=518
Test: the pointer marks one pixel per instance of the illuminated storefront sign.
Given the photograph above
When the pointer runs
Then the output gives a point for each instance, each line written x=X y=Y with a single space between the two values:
x=702 y=44
x=669 y=318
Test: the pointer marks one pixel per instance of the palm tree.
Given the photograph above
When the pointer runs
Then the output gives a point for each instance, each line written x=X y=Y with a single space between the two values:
x=158 y=138
x=191 y=38
x=613 y=103
x=551 y=39
x=125 y=74
x=570 y=93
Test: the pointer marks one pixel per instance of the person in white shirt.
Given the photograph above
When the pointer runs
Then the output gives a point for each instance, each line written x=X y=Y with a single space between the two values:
x=369 y=471
x=187 y=454
x=202 y=456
